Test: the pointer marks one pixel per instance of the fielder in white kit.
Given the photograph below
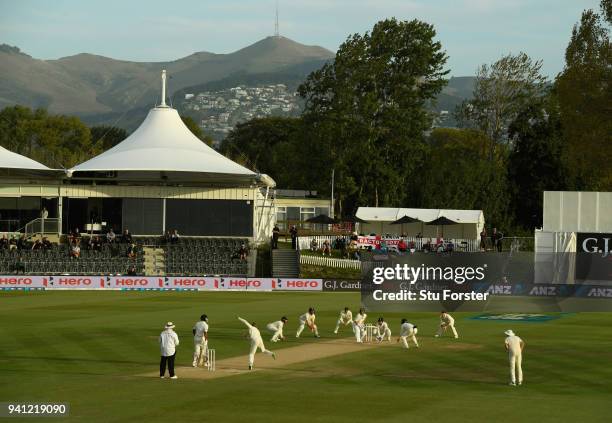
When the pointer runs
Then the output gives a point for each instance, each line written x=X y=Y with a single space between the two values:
x=515 y=345
x=383 y=330
x=256 y=342
x=308 y=319
x=408 y=332
x=346 y=318
x=200 y=340
x=359 y=325
x=446 y=321
x=277 y=329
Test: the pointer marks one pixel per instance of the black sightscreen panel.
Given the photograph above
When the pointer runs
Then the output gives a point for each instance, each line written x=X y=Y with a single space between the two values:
x=210 y=217
x=143 y=216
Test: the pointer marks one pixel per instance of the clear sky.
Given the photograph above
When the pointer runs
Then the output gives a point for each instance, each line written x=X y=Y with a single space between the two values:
x=471 y=31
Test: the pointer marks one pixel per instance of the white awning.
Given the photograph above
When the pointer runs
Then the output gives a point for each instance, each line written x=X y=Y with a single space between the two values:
x=10 y=160
x=388 y=214
x=162 y=143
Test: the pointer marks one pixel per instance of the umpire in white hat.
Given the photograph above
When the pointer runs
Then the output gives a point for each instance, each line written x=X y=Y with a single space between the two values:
x=168 y=341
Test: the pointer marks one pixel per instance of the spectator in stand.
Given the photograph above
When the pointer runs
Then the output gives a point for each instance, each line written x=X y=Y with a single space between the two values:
x=97 y=243
x=111 y=236
x=126 y=238
x=19 y=265
x=243 y=252
x=174 y=237
x=37 y=245
x=75 y=250
x=496 y=239
x=314 y=245
x=419 y=236
x=275 y=235
x=4 y=242
x=326 y=248
x=44 y=213
x=46 y=243
x=483 y=239
x=294 y=237
x=12 y=245
x=22 y=244
x=412 y=247
x=131 y=251
x=402 y=247
x=341 y=245
x=74 y=236
x=131 y=270
x=354 y=237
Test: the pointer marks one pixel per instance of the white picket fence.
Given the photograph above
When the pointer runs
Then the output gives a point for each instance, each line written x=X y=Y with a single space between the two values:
x=330 y=262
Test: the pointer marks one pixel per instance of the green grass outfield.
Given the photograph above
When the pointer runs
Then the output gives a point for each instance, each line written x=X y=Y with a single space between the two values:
x=89 y=348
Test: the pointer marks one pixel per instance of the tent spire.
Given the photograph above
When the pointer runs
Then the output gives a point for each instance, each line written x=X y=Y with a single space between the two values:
x=163 y=102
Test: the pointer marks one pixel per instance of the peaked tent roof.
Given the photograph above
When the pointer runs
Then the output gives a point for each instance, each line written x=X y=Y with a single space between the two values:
x=10 y=160
x=162 y=143
x=390 y=214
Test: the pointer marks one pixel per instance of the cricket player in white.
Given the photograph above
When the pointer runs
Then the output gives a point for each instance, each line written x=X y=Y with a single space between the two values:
x=200 y=339
x=446 y=321
x=308 y=319
x=383 y=330
x=408 y=332
x=359 y=325
x=514 y=346
x=346 y=318
x=256 y=342
x=277 y=329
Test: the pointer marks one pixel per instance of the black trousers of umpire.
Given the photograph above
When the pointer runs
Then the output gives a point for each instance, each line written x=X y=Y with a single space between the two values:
x=162 y=365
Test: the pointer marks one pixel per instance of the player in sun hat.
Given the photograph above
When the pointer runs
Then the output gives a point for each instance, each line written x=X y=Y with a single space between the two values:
x=346 y=318
x=168 y=341
x=446 y=321
x=256 y=342
x=277 y=329
x=308 y=319
x=514 y=345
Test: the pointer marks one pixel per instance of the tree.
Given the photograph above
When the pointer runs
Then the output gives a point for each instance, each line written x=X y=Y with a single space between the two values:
x=366 y=111
x=196 y=130
x=107 y=136
x=535 y=163
x=56 y=141
x=501 y=90
x=585 y=98
x=457 y=174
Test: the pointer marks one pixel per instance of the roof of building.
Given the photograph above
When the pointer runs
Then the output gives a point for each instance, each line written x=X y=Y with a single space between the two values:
x=390 y=214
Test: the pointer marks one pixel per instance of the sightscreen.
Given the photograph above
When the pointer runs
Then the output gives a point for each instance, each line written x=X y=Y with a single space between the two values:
x=210 y=217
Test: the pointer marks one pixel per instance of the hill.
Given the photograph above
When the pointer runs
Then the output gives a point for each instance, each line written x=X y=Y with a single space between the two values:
x=87 y=84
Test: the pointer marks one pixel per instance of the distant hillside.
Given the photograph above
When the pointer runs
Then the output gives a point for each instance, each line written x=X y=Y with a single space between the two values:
x=87 y=84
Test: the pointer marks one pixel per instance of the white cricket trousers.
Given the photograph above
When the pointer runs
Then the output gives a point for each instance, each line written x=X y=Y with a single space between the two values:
x=359 y=332
x=441 y=330
x=515 y=367
x=275 y=333
x=385 y=334
x=339 y=323
x=301 y=328
x=257 y=343
x=199 y=347
x=411 y=336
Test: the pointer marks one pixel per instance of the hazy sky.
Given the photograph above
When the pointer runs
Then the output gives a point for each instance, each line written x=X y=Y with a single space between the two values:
x=471 y=31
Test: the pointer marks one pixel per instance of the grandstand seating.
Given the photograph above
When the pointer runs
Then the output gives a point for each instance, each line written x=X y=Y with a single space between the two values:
x=191 y=256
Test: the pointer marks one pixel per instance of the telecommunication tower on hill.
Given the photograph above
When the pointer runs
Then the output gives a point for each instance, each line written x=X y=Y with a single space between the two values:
x=276 y=33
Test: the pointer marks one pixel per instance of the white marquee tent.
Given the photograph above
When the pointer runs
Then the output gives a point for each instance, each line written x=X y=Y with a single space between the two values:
x=163 y=147
x=16 y=165
x=379 y=221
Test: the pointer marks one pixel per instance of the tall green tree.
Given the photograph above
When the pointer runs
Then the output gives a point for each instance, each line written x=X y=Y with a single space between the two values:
x=107 y=136
x=535 y=164
x=54 y=140
x=367 y=110
x=458 y=174
x=501 y=91
x=196 y=130
x=584 y=90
